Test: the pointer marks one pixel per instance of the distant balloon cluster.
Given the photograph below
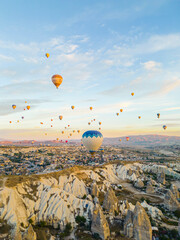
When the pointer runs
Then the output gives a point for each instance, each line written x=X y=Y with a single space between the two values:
x=91 y=139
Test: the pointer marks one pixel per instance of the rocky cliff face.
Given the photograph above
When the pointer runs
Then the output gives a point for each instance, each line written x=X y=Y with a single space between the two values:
x=110 y=203
x=137 y=224
x=171 y=202
x=149 y=188
x=99 y=223
x=139 y=183
x=161 y=178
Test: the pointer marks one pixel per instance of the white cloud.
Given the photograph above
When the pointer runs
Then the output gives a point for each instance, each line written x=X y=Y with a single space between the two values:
x=151 y=65
x=172 y=108
x=6 y=58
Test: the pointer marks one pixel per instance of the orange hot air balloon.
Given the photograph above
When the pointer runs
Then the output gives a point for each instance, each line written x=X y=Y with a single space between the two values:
x=117 y=114
x=32 y=142
x=14 y=106
x=139 y=117
x=99 y=128
x=68 y=125
x=127 y=138
x=121 y=110
x=65 y=127
x=89 y=123
x=10 y=122
x=51 y=119
x=62 y=132
x=91 y=108
x=28 y=107
x=120 y=140
x=70 y=134
x=132 y=94
x=99 y=123
x=25 y=101
x=57 y=139
x=94 y=119
x=74 y=131
x=78 y=131
x=72 y=107
x=41 y=122
x=60 y=117
x=57 y=80
x=51 y=125
x=47 y=55
x=24 y=109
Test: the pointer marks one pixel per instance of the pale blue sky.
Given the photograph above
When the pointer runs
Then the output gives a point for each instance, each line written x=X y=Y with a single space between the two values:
x=104 y=50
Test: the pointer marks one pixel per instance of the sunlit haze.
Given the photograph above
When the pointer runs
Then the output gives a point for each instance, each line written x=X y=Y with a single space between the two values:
x=104 y=50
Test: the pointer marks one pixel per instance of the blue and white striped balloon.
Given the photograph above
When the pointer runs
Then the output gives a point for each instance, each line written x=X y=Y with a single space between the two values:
x=92 y=140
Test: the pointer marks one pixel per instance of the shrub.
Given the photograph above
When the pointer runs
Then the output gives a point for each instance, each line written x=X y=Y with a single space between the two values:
x=80 y=219
x=84 y=197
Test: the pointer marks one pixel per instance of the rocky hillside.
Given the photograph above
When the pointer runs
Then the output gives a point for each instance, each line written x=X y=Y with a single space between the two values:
x=107 y=198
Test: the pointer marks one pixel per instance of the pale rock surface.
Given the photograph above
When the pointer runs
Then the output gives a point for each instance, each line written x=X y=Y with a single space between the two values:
x=94 y=190
x=171 y=202
x=29 y=234
x=161 y=178
x=110 y=203
x=149 y=189
x=175 y=191
x=139 y=183
x=99 y=223
x=153 y=211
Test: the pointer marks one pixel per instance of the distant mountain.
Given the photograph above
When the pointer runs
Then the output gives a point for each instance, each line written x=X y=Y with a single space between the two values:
x=137 y=140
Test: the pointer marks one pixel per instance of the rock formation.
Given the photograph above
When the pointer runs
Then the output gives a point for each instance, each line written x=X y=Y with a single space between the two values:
x=139 y=183
x=110 y=203
x=137 y=224
x=171 y=202
x=94 y=190
x=149 y=188
x=161 y=178
x=175 y=191
x=99 y=223
x=29 y=234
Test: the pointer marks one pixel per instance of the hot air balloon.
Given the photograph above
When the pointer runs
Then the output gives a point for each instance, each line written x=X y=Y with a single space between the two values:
x=14 y=106
x=121 y=110
x=139 y=117
x=47 y=55
x=18 y=121
x=99 y=123
x=65 y=127
x=99 y=128
x=74 y=131
x=57 y=139
x=94 y=119
x=32 y=142
x=117 y=114
x=70 y=134
x=132 y=94
x=57 y=80
x=158 y=115
x=78 y=131
x=164 y=127
x=72 y=107
x=60 y=117
x=89 y=123
x=46 y=134
x=41 y=122
x=51 y=125
x=62 y=132
x=66 y=141
x=24 y=109
x=91 y=108
x=25 y=101
x=51 y=119
x=22 y=117
x=10 y=122
x=127 y=138
x=92 y=140
x=28 y=107
x=120 y=140
x=68 y=125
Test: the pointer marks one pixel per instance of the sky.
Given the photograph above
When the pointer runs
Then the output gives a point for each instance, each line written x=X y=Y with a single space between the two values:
x=104 y=50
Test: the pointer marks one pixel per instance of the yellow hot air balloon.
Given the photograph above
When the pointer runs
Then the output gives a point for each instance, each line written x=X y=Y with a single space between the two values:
x=72 y=107
x=139 y=117
x=57 y=80
x=117 y=114
x=47 y=55
x=132 y=94
x=18 y=121
x=14 y=106
x=70 y=134
x=91 y=108
x=78 y=131
x=99 y=123
x=57 y=139
x=74 y=131
x=25 y=101
x=62 y=132
x=60 y=117
x=120 y=140
x=32 y=142
x=46 y=134
x=121 y=110
x=28 y=107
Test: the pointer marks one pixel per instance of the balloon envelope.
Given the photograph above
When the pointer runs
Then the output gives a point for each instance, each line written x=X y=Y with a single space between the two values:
x=92 y=140
x=57 y=80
